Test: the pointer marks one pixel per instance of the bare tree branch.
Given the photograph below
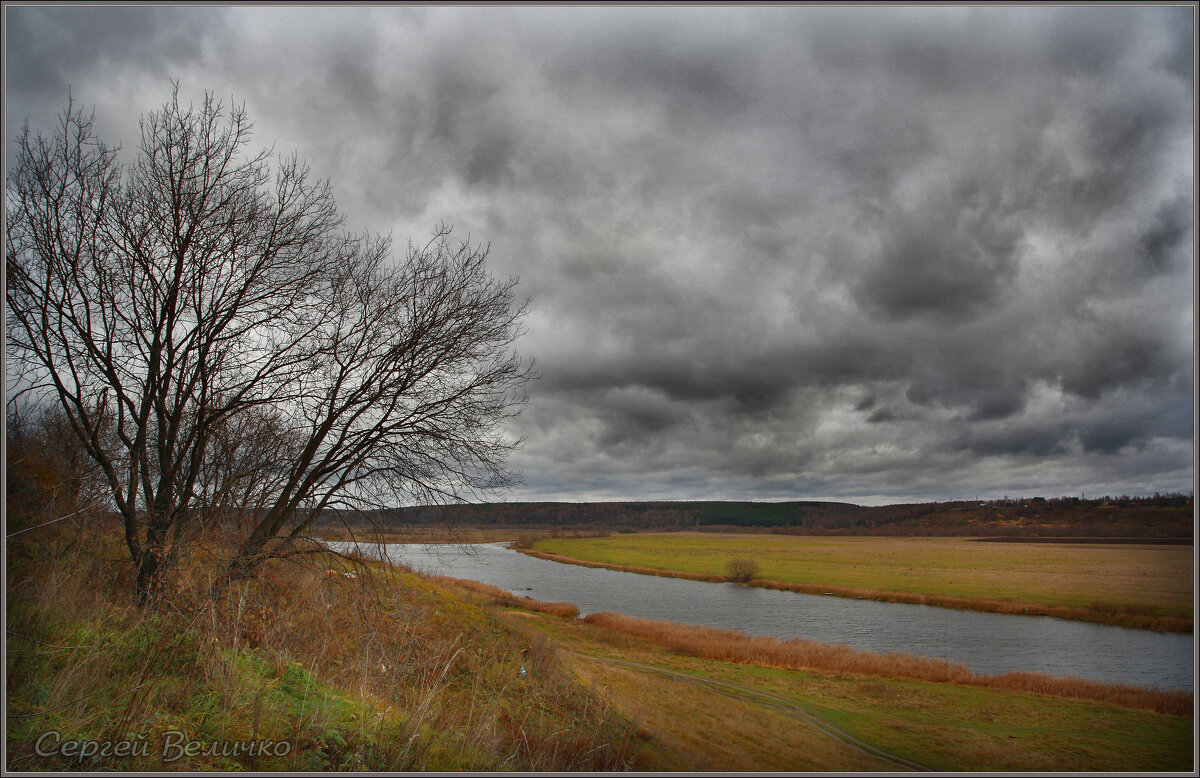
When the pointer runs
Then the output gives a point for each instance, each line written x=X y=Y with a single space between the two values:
x=227 y=356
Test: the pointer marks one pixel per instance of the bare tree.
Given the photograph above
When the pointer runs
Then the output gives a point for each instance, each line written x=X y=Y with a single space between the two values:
x=247 y=355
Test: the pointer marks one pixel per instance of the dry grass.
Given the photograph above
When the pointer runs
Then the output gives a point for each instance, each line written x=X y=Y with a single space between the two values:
x=946 y=726
x=685 y=718
x=1127 y=615
x=357 y=665
x=494 y=595
x=734 y=646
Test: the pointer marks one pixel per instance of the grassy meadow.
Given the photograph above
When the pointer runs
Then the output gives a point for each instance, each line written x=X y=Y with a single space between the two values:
x=819 y=717
x=1135 y=585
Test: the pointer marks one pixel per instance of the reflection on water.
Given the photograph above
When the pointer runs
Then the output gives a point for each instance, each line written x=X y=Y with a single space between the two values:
x=984 y=642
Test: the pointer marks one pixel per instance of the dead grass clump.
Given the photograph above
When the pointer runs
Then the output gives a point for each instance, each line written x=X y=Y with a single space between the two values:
x=797 y=653
x=401 y=642
x=525 y=540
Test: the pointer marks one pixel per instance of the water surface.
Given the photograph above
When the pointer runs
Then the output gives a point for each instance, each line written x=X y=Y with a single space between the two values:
x=984 y=642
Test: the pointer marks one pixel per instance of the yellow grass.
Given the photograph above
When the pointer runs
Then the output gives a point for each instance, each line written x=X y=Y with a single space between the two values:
x=1141 y=586
x=356 y=665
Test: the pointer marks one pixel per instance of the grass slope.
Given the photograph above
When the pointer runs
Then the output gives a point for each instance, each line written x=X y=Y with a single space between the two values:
x=384 y=670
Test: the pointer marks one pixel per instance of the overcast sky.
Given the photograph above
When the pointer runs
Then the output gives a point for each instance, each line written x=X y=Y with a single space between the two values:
x=871 y=255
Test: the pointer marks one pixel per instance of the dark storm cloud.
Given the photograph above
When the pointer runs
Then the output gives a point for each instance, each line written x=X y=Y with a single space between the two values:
x=1179 y=55
x=1091 y=44
x=688 y=80
x=779 y=253
x=56 y=45
x=96 y=56
x=881 y=416
x=1115 y=355
x=1168 y=237
x=942 y=259
x=1021 y=440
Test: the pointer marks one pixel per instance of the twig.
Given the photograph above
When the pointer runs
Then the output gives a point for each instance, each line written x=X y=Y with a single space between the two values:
x=52 y=521
x=16 y=634
x=64 y=705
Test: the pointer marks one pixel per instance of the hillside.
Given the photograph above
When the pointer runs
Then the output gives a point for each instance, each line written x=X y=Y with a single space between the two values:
x=1160 y=517
x=321 y=665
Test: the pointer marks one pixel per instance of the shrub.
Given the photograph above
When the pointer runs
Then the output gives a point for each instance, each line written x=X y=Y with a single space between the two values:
x=525 y=540
x=742 y=570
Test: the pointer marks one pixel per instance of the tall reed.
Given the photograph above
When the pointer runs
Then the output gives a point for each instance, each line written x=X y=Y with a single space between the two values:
x=797 y=653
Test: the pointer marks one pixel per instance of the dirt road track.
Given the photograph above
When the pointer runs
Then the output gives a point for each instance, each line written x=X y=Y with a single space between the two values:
x=779 y=703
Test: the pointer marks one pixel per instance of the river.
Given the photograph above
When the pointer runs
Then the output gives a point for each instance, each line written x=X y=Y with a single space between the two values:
x=984 y=642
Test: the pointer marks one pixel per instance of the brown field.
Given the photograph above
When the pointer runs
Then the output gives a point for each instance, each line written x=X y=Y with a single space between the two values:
x=430 y=534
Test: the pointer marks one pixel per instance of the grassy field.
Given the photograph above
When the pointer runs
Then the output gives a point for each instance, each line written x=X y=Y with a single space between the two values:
x=1109 y=582
x=773 y=718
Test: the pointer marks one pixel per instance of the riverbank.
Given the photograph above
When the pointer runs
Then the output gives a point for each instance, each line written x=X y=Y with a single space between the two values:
x=433 y=535
x=1139 y=587
x=836 y=711
x=800 y=654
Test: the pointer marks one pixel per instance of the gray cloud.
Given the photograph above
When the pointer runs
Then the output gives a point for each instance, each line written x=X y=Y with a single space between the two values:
x=944 y=259
x=775 y=253
x=58 y=45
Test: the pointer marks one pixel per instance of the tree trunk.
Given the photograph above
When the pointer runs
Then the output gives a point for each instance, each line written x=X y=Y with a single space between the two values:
x=152 y=562
x=148 y=586
x=243 y=565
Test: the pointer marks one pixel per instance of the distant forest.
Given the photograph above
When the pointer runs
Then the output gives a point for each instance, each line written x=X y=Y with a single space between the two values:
x=1160 y=516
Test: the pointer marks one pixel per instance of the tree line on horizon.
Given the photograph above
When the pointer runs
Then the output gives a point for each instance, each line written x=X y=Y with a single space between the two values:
x=1161 y=516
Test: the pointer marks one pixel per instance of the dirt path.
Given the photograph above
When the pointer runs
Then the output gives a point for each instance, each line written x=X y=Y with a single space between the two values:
x=782 y=704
